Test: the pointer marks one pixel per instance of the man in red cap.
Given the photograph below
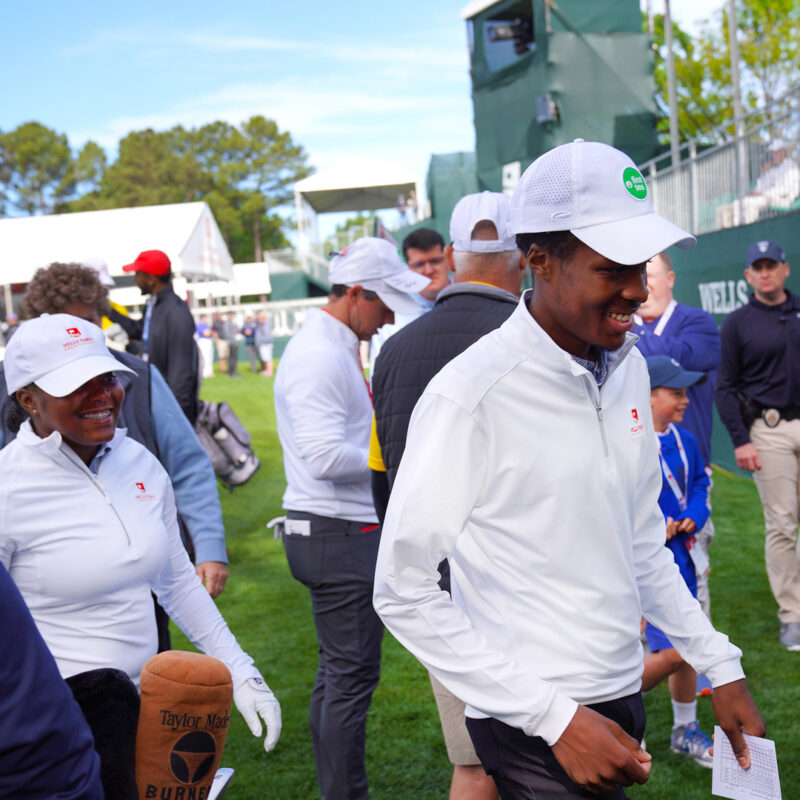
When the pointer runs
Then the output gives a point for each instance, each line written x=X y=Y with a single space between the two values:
x=166 y=331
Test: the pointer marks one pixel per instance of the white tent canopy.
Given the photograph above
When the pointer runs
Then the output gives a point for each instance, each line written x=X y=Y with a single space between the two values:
x=186 y=232
x=361 y=185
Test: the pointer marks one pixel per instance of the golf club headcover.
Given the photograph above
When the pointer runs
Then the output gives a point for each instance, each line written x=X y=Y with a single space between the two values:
x=110 y=703
x=183 y=720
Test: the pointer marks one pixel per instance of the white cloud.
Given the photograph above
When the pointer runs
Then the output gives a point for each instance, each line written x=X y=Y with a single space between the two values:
x=332 y=119
x=446 y=52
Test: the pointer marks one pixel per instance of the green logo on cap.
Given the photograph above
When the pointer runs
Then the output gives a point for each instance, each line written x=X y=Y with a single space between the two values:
x=634 y=183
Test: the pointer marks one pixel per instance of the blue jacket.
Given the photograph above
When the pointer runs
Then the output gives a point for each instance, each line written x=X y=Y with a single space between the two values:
x=46 y=747
x=696 y=496
x=690 y=337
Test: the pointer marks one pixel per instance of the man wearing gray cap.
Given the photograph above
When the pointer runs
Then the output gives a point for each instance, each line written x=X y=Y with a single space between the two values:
x=488 y=269
x=758 y=398
x=330 y=534
x=550 y=520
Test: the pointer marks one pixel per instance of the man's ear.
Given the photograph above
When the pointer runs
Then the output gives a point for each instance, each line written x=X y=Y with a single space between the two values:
x=353 y=292
x=448 y=254
x=671 y=279
x=541 y=262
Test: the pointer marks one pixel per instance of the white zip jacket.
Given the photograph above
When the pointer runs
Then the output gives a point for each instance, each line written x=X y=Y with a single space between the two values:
x=85 y=551
x=542 y=490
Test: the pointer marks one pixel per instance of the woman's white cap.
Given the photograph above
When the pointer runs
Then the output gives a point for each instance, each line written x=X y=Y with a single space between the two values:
x=374 y=264
x=596 y=192
x=59 y=353
x=481 y=207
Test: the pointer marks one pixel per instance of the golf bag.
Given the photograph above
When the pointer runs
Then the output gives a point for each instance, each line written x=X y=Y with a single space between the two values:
x=227 y=443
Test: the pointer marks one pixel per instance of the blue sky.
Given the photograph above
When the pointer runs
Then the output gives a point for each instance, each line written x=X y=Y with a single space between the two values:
x=347 y=79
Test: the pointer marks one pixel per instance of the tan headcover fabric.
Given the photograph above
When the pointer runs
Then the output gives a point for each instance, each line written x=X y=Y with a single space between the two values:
x=183 y=721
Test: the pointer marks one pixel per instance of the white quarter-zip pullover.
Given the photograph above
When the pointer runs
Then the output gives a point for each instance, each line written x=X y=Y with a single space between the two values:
x=324 y=417
x=86 y=550
x=542 y=490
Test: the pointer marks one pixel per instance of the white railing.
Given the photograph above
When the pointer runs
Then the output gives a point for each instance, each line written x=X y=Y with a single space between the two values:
x=724 y=179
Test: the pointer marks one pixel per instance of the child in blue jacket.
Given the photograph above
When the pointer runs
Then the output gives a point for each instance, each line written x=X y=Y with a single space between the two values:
x=684 y=503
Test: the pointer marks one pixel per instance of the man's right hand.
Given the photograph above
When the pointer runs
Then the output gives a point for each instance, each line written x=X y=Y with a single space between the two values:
x=747 y=457
x=598 y=755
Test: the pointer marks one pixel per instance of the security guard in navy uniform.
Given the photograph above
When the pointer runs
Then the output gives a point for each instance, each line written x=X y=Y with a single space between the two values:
x=758 y=398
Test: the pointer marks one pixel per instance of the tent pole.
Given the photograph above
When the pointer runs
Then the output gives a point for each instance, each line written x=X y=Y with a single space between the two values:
x=8 y=298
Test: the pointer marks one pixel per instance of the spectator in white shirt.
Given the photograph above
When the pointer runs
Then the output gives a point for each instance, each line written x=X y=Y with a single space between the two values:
x=324 y=415
x=550 y=521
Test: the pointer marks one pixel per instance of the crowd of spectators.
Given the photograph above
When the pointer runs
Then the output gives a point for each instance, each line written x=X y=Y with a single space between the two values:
x=572 y=421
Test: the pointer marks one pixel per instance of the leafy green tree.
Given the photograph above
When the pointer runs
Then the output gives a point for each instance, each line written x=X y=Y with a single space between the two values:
x=243 y=172
x=35 y=168
x=769 y=52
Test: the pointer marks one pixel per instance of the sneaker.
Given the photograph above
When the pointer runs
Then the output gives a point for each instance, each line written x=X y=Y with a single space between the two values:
x=790 y=635
x=691 y=741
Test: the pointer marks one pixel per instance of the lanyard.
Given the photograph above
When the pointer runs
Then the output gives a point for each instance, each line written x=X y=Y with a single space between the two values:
x=662 y=320
x=673 y=483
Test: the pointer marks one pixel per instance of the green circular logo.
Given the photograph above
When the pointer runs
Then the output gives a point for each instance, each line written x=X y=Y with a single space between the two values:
x=634 y=183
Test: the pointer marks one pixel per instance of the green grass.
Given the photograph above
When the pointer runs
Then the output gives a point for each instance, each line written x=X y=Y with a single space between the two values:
x=270 y=614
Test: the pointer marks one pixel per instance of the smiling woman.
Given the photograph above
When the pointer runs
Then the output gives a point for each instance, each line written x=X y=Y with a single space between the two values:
x=88 y=526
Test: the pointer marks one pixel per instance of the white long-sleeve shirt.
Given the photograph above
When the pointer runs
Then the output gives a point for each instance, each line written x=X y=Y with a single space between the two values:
x=86 y=550
x=542 y=490
x=324 y=417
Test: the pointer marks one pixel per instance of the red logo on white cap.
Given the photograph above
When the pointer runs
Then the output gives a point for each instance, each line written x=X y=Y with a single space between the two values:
x=73 y=332
x=635 y=414
x=140 y=487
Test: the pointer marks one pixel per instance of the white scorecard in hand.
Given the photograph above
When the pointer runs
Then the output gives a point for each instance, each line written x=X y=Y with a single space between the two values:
x=760 y=782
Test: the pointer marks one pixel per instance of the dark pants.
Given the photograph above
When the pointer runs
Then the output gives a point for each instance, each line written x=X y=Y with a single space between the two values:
x=524 y=767
x=337 y=563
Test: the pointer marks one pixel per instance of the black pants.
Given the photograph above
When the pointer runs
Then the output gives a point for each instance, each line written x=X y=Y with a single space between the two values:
x=337 y=563
x=524 y=767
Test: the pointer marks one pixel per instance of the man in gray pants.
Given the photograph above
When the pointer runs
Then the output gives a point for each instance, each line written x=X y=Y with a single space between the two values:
x=331 y=536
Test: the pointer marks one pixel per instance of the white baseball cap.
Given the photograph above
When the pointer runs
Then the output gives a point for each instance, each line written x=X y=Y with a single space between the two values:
x=59 y=353
x=101 y=268
x=596 y=192
x=474 y=208
x=374 y=264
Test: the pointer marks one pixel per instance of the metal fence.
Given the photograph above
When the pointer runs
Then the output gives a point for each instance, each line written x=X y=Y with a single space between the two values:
x=736 y=174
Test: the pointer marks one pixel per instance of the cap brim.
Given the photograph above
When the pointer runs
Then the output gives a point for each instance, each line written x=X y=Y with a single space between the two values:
x=60 y=382
x=634 y=240
x=685 y=379
x=106 y=280
x=130 y=268
x=399 y=302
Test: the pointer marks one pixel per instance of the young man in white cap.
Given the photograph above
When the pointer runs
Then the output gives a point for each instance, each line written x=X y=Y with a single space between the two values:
x=551 y=524
x=324 y=414
x=488 y=269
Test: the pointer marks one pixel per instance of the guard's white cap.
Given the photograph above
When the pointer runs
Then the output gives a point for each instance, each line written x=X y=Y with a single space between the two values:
x=374 y=264
x=594 y=191
x=101 y=268
x=775 y=145
x=474 y=208
x=59 y=353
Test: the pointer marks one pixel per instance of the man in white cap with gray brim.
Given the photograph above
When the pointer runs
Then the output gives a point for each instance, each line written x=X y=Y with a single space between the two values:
x=324 y=414
x=551 y=522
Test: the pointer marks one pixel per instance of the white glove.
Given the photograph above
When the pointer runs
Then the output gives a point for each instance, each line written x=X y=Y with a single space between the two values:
x=254 y=698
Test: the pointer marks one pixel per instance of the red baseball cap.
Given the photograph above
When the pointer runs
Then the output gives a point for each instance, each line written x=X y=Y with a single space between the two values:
x=153 y=262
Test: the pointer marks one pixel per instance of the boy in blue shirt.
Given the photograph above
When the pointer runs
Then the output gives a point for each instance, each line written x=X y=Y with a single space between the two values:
x=684 y=503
